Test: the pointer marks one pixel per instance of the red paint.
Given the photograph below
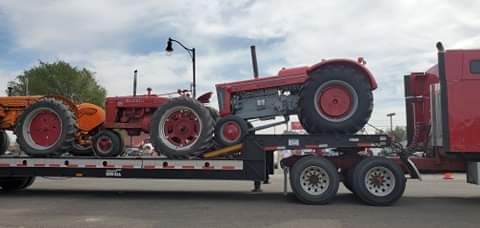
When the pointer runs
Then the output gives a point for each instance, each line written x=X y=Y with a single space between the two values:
x=105 y=144
x=181 y=128
x=285 y=77
x=133 y=113
x=334 y=101
x=45 y=128
x=463 y=99
x=231 y=131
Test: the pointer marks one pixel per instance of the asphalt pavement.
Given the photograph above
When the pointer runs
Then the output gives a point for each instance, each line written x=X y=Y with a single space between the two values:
x=90 y=202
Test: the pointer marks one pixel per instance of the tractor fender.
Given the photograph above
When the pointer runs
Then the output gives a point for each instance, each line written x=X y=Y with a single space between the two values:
x=356 y=64
x=89 y=116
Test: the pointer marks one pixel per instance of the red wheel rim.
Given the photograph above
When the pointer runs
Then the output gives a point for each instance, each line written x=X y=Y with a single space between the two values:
x=45 y=128
x=335 y=101
x=104 y=144
x=181 y=128
x=231 y=131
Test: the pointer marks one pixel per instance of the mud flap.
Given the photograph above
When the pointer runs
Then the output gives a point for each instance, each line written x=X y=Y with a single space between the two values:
x=411 y=167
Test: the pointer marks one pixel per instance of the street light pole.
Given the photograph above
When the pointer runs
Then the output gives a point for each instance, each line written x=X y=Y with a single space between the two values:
x=390 y=115
x=191 y=52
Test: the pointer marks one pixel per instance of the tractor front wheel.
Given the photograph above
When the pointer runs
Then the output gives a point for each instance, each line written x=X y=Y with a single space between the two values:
x=230 y=130
x=107 y=143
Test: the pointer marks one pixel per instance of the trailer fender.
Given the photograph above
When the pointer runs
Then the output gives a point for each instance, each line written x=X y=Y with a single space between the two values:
x=357 y=65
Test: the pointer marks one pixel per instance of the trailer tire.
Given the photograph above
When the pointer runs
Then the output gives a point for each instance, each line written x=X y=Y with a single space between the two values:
x=182 y=120
x=335 y=99
x=46 y=117
x=16 y=183
x=314 y=180
x=378 y=181
x=107 y=143
x=4 y=142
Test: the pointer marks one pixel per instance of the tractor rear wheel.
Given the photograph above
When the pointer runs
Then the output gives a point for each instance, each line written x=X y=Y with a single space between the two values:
x=45 y=128
x=4 y=142
x=182 y=128
x=335 y=99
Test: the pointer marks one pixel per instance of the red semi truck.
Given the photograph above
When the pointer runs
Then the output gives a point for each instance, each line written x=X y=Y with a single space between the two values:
x=442 y=122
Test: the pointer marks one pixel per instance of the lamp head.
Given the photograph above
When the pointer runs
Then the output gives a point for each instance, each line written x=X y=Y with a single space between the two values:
x=169 y=47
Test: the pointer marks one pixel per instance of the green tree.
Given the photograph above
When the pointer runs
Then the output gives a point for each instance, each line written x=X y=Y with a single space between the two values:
x=399 y=133
x=59 y=78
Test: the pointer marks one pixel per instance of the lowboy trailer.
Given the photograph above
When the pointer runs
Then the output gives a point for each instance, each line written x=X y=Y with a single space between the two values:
x=254 y=164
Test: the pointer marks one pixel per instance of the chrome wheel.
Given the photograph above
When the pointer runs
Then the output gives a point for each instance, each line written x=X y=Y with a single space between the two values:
x=380 y=181
x=314 y=180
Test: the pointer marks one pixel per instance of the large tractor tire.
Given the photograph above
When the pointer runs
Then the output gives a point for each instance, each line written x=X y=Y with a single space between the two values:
x=4 y=142
x=335 y=99
x=46 y=128
x=182 y=128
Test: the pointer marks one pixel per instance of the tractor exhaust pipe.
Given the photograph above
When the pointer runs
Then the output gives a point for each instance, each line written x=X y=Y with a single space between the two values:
x=254 y=61
x=135 y=83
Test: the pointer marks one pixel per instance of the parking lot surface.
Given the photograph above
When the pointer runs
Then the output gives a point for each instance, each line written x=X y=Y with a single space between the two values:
x=89 y=202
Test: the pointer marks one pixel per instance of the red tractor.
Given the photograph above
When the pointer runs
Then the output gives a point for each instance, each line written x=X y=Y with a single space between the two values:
x=333 y=96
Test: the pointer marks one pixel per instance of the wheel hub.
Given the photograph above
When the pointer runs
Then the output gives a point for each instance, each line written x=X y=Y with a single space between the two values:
x=105 y=143
x=45 y=128
x=380 y=181
x=314 y=180
x=181 y=128
x=335 y=101
x=231 y=131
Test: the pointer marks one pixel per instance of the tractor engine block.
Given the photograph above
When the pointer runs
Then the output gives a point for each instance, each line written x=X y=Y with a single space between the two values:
x=266 y=103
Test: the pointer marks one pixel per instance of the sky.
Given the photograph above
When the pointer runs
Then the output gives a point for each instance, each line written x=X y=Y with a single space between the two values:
x=113 y=38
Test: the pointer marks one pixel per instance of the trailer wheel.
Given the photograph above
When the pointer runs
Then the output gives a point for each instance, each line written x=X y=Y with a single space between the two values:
x=378 y=181
x=47 y=127
x=107 y=143
x=4 y=142
x=335 y=98
x=230 y=130
x=182 y=128
x=16 y=183
x=314 y=180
